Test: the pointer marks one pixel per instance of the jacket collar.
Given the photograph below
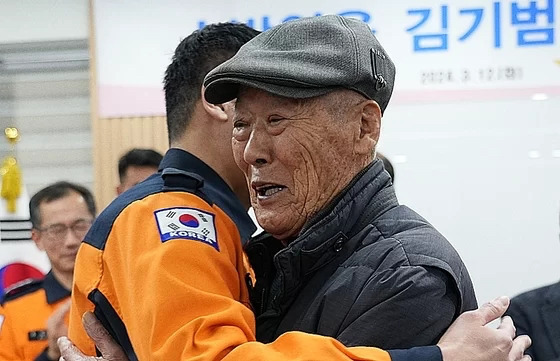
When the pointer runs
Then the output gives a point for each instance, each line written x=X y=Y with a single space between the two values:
x=214 y=185
x=330 y=233
x=53 y=289
x=551 y=312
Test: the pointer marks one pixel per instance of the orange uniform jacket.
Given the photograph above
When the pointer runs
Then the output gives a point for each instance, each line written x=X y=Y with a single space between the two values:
x=26 y=309
x=163 y=269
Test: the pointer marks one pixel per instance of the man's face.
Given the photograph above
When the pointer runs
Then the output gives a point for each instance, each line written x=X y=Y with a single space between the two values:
x=64 y=223
x=296 y=155
x=134 y=175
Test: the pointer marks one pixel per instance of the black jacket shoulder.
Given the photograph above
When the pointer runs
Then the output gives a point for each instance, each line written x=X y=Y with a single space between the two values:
x=533 y=297
x=535 y=313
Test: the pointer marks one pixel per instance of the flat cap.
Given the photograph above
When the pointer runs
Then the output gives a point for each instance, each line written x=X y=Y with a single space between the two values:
x=305 y=58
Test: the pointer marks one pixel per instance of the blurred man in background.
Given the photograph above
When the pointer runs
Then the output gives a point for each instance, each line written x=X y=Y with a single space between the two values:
x=136 y=165
x=35 y=314
x=537 y=313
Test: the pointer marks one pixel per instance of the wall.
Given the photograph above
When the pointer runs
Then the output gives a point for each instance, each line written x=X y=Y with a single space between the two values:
x=486 y=174
x=43 y=20
x=44 y=91
x=115 y=136
x=473 y=152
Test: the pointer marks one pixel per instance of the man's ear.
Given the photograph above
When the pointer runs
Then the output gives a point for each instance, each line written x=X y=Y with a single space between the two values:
x=370 y=127
x=37 y=239
x=216 y=111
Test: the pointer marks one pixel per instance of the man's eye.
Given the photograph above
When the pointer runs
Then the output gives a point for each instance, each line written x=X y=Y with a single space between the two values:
x=238 y=124
x=275 y=120
x=57 y=228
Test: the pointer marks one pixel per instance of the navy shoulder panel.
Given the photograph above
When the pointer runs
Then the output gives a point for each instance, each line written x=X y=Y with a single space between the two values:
x=168 y=180
x=22 y=288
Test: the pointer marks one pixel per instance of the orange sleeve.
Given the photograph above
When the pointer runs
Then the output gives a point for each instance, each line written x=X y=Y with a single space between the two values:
x=186 y=299
x=86 y=277
x=9 y=346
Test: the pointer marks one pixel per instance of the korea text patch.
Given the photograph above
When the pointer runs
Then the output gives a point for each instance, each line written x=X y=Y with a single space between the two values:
x=187 y=223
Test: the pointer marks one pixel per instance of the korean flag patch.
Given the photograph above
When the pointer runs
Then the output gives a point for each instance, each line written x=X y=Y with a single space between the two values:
x=186 y=223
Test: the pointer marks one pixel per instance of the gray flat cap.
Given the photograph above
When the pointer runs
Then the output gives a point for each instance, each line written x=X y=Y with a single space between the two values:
x=305 y=58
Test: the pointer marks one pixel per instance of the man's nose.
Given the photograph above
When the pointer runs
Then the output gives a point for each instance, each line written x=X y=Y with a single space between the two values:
x=258 y=149
x=71 y=239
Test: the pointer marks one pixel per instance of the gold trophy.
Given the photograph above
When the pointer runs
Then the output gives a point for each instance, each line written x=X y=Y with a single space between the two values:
x=10 y=172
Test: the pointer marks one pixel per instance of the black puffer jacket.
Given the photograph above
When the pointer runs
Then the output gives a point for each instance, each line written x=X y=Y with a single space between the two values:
x=365 y=270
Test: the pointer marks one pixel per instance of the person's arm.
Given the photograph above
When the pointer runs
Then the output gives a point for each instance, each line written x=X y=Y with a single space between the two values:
x=468 y=339
x=184 y=299
x=395 y=308
x=9 y=349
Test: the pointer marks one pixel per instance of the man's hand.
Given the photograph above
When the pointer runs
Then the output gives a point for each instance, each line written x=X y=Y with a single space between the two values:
x=468 y=338
x=109 y=349
x=56 y=327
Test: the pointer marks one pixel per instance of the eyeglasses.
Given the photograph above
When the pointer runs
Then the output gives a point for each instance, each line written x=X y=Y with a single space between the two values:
x=59 y=231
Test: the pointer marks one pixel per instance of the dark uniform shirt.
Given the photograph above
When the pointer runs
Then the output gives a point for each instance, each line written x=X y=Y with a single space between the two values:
x=26 y=309
x=537 y=313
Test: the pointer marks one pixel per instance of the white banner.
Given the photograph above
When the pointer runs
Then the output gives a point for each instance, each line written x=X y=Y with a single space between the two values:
x=464 y=49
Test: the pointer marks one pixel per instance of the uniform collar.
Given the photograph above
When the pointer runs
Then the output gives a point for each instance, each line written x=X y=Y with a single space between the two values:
x=181 y=159
x=53 y=289
x=214 y=185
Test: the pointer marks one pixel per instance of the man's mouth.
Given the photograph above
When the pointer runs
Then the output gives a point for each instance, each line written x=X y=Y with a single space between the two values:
x=267 y=190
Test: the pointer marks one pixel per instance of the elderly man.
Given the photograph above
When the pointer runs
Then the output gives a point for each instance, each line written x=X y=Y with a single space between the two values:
x=356 y=265
x=190 y=300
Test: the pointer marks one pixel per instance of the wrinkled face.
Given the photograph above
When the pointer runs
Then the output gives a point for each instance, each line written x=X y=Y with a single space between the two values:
x=296 y=155
x=134 y=175
x=64 y=223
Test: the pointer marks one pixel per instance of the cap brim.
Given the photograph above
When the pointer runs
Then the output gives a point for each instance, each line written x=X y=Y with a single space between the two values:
x=224 y=89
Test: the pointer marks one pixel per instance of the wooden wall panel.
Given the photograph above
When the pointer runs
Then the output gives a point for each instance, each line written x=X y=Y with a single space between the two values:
x=115 y=136
x=112 y=137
